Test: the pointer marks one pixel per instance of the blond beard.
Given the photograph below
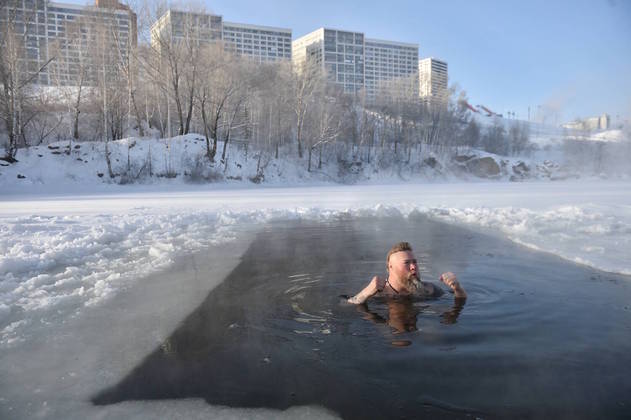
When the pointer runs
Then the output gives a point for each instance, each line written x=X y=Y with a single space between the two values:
x=413 y=282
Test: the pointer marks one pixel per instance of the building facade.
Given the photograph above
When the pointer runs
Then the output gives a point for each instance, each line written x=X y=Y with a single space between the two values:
x=433 y=79
x=391 y=69
x=588 y=124
x=66 y=35
x=357 y=64
x=178 y=26
x=339 y=53
x=260 y=43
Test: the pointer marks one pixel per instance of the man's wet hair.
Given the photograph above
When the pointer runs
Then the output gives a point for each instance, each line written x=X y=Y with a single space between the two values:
x=401 y=246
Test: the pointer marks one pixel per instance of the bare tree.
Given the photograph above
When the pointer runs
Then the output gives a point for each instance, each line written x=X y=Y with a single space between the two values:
x=70 y=74
x=178 y=70
x=495 y=138
x=17 y=73
x=325 y=126
x=519 y=138
x=308 y=79
x=219 y=84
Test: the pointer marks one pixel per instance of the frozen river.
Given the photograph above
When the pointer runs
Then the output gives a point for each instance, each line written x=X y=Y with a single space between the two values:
x=92 y=284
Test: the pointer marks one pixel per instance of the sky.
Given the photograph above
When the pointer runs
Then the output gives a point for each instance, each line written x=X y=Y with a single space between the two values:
x=562 y=59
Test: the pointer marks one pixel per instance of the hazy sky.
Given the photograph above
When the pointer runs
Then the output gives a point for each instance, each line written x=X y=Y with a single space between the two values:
x=572 y=57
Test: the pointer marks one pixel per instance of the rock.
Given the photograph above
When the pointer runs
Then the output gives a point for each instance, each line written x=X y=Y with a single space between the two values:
x=485 y=167
x=431 y=162
x=8 y=159
x=257 y=179
x=521 y=169
x=463 y=158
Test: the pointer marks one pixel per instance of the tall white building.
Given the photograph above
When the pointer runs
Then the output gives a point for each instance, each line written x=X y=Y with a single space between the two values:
x=391 y=69
x=70 y=34
x=433 y=78
x=359 y=64
x=339 y=53
x=175 y=25
x=260 y=43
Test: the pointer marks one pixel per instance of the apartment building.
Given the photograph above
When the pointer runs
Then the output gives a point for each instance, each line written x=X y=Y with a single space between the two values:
x=433 y=78
x=340 y=54
x=359 y=64
x=260 y=43
x=391 y=69
x=177 y=26
x=69 y=34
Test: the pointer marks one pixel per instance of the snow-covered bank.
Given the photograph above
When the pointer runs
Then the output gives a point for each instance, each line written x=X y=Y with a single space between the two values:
x=182 y=161
x=61 y=254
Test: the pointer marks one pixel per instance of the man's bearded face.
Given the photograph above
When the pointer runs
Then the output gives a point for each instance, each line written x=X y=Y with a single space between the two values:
x=404 y=266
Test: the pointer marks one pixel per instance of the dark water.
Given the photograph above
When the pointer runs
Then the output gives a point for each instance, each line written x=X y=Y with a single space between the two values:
x=538 y=337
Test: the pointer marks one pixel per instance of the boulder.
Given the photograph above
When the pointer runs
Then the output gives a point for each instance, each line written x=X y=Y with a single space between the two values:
x=485 y=167
x=521 y=169
x=463 y=158
x=431 y=162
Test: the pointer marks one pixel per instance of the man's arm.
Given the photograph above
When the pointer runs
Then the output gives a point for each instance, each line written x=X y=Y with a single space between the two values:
x=376 y=285
x=452 y=282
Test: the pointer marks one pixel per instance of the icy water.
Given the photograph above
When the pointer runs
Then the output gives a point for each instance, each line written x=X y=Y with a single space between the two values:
x=537 y=338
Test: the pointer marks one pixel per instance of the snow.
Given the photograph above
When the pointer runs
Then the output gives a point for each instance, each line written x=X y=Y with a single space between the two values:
x=615 y=135
x=72 y=244
x=180 y=163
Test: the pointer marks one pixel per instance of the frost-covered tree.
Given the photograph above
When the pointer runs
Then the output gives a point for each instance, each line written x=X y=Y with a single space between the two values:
x=495 y=140
x=176 y=68
x=519 y=137
x=17 y=74
x=219 y=82
x=308 y=79
x=471 y=136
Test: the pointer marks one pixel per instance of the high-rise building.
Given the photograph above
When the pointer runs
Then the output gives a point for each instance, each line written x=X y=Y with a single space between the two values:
x=66 y=35
x=260 y=43
x=433 y=78
x=339 y=53
x=176 y=26
x=359 y=64
x=391 y=69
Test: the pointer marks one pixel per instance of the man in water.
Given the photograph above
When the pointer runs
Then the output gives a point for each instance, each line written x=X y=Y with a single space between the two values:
x=404 y=280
